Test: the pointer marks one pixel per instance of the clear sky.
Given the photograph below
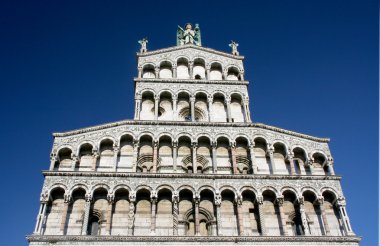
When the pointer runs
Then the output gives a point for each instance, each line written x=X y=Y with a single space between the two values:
x=312 y=67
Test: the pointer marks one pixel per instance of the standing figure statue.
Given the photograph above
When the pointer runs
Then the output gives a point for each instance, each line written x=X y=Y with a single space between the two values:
x=143 y=43
x=189 y=36
x=234 y=46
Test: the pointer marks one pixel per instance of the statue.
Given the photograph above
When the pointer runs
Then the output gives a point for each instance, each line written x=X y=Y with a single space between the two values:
x=234 y=46
x=143 y=43
x=189 y=36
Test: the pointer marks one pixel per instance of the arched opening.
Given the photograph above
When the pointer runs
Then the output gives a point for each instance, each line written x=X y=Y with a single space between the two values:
x=148 y=72
x=164 y=216
x=165 y=155
x=54 y=212
x=219 y=110
x=250 y=214
x=319 y=162
x=97 y=219
x=120 y=218
x=165 y=109
x=233 y=74
x=271 y=213
x=312 y=212
x=106 y=161
x=332 y=214
x=223 y=157
x=86 y=158
x=183 y=107
x=184 y=154
x=145 y=157
x=242 y=158
x=147 y=106
x=75 y=212
x=299 y=161
x=201 y=111
x=126 y=154
x=207 y=223
x=203 y=155
x=228 y=214
x=166 y=71
x=199 y=71
x=237 y=108
x=143 y=213
x=293 y=221
x=64 y=162
x=279 y=157
x=186 y=225
x=216 y=72
x=262 y=160
x=183 y=68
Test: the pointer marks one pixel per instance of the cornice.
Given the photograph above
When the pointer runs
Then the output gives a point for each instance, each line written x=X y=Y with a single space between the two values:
x=56 y=238
x=174 y=48
x=190 y=176
x=200 y=124
x=193 y=81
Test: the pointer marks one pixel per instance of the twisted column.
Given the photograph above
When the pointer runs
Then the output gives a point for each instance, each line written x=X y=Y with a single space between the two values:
x=87 y=207
x=280 y=203
x=260 y=203
x=175 y=201
x=131 y=213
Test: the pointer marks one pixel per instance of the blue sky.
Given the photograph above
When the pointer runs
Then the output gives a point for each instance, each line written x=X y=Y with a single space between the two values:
x=313 y=68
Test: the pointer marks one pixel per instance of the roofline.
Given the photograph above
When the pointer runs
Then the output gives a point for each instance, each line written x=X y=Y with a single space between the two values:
x=180 y=123
x=174 y=48
x=193 y=81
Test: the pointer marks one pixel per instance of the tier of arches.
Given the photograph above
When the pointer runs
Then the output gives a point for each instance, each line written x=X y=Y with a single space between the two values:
x=186 y=212
x=184 y=106
x=185 y=154
x=183 y=68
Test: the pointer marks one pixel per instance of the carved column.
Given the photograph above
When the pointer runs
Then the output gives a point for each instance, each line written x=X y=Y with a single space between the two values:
x=156 y=105
x=228 y=104
x=291 y=163
x=218 y=203
x=214 y=164
x=74 y=161
x=305 y=224
x=270 y=151
x=330 y=166
x=66 y=203
x=175 y=201
x=233 y=157
x=53 y=160
x=280 y=203
x=175 y=107
x=208 y=71
x=175 y=153
x=155 y=146
x=247 y=111
x=116 y=151
x=192 y=108
x=260 y=203
x=139 y=70
x=209 y=102
x=191 y=64
x=40 y=223
x=137 y=106
x=253 y=157
x=242 y=75
x=157 y=72
x=95 y=155
x=174 y=70
x=194 y=156
x=196 y=214
x=135 y=155
x=310 y=165
x=326 y=227
x=131 y=213
x=110 y=199
x=86 y=216
x=153 y=199
x=341 y=204
x=240 y=219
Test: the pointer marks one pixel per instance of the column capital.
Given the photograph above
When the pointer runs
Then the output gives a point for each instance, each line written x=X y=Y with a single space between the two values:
x=153 y=197
x=132 y=196
x=155 y=143
x=210 y=99
x=301 y=200
x=67 y=198
x=44 y=197
x=88 y=197
x=232 y=144
x=280 y=201
x=116 y=149
x=110 y=198
x=136 y=143
x=175 y=144
x=196 y=198
x=174 y=97
x=192 y=98
x=194 y=145
x=320 y=200
x=341 y=202
x=218 y=199
x=156 y=97
x=53 y=156
x=175 y=198
x=214 y=144
x=239 y=200
x=260 y=200
x=95 y=153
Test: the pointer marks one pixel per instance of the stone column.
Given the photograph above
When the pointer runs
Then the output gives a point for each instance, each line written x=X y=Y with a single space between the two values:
x=192 y=108
x=305 y=224
x=137 y=106
x=330 y=166
x=310 y=164
x=95 y=155
x=131 y=213
x=291 y=163
x=228 y=104
x=175 y=201
x=174 y=70
x=208 y=72
x=253 y=157
x=86 y=216
x=240 y=219
x=194 y=156
x=341 y=204
x=191 y=64
x=40 y=222
x=260 y=203
x=196 y=214
x=247 y=111
x=175 y=107
x=116 y=151
x=175 y=153
x=209 y=102
x=153 y=199
x=157 y=72
x=66 y=203
x=156 y=105
x=218 y=203
x=214 y=163
x=53 y=160
x=242 y=75
x=280 y=203
x=74 y=161
x=233 y=157
x=135 y=155
x=110 y=199
x=270 y=151
x=326 y=227
x=139 y=71
x=155 y=156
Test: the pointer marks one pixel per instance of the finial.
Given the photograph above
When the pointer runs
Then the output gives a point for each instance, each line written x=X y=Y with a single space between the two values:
x=143 y=43
x=234 y=46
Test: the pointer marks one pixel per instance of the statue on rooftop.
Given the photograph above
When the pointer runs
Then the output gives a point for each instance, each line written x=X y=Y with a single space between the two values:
x=189 y=36
x=143 y=43
x=234 y=46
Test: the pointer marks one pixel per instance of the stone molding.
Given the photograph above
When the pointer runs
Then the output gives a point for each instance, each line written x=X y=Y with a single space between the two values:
x=192 y=81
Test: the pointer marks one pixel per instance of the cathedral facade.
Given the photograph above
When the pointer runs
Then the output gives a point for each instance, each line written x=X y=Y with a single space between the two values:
x=191 y=168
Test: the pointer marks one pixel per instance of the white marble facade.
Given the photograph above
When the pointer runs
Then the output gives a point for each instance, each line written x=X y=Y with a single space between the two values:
x=191 y=168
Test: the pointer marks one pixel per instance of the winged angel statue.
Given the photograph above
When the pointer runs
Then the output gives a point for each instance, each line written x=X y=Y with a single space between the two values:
x=189 y=36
